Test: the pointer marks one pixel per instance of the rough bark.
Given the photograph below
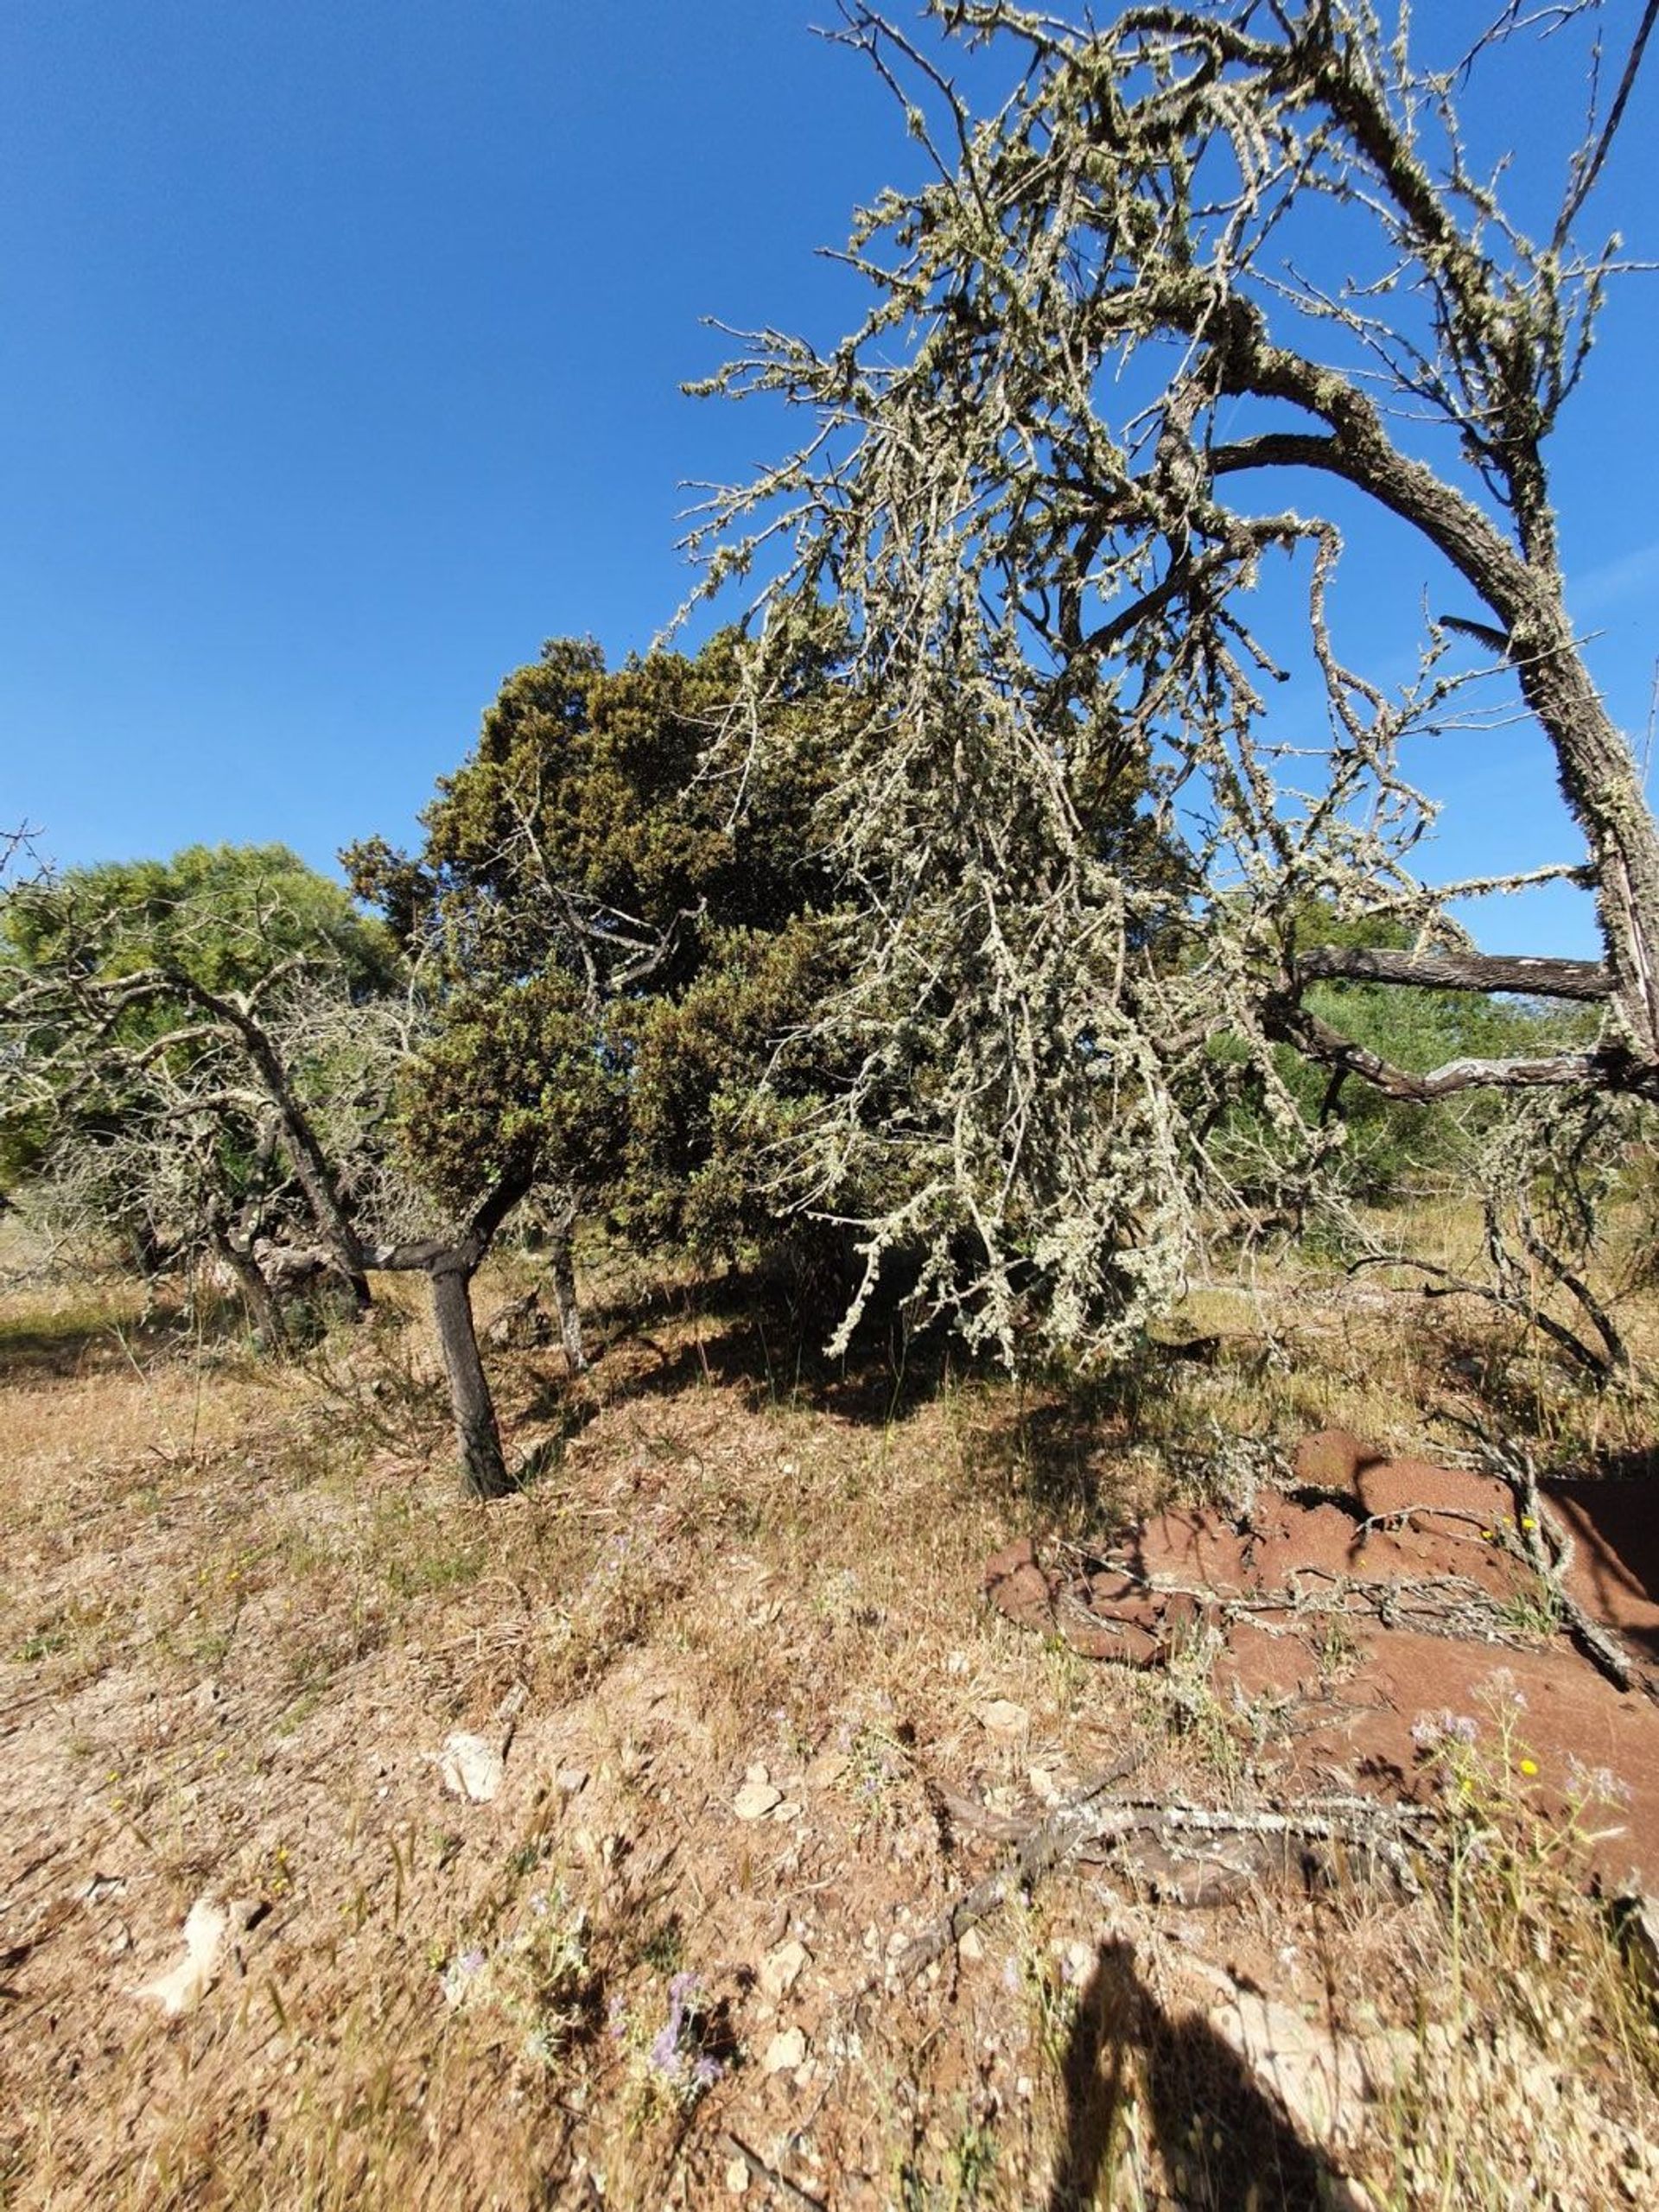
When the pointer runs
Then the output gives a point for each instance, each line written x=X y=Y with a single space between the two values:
x=562 y=1258
x=1522 y=585
x=449 y=1268
x=304 y=1154
x=1456 y=971
x=478 y=1435
x=262 y=1308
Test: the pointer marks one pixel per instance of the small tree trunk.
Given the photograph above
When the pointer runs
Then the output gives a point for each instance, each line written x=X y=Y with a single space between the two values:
x=484 y=1469
x=561 y=1241
x=262 y=1309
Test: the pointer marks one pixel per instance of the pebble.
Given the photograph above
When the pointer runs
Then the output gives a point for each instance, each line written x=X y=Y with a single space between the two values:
x=755 y=1800
x=781 y=1970
x=1002 y=1717
x=786 y=2050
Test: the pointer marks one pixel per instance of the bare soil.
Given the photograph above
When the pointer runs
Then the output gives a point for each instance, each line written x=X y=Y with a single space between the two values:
x=758 y=1728
x=1372 y=1598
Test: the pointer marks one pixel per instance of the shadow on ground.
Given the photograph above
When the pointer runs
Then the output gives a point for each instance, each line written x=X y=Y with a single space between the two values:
x=1223 y=2145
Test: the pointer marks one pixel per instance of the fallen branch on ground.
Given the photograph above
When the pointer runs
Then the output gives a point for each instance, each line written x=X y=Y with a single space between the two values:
x=1535 y=1521
x=1089 y=1819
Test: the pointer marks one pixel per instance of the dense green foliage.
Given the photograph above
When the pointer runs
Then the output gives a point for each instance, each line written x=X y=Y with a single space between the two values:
x=221 y=916
x=121 y=987
x=615 y=936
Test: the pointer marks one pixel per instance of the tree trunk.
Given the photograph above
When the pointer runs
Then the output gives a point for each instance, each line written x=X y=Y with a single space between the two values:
x=262 y=1309
x=484 y=1469
x=560 y=1239
x=1602 y=785
x=299 y=1141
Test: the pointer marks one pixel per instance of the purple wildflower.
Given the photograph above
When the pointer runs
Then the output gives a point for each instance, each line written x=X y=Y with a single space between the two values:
x=665 y=2057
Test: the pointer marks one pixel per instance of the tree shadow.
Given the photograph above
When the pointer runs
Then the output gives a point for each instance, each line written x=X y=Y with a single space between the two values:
x=1225 y=2146
x=764 y=1331
x=32 y=1350
x=1616 y=1533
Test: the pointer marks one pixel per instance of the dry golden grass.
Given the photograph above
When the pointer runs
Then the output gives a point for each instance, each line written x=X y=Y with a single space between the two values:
x=244 y=1607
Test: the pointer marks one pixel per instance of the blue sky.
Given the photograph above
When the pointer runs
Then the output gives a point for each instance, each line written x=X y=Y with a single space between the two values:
x=340 y=355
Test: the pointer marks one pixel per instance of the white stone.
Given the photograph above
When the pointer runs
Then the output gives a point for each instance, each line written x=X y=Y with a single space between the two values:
x=1002 y=1717
x=781 y=1970
x=205 y=1927
x=471 y=1768
x=755 y=1800
x=972 y=1946
x=737 y=2176
x=786 y=2050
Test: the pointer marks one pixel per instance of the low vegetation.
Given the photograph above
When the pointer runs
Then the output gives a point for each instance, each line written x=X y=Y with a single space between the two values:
x=249 y=1613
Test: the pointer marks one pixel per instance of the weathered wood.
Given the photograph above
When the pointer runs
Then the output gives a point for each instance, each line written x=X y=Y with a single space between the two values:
x=562 y=1257
x=1456 y=971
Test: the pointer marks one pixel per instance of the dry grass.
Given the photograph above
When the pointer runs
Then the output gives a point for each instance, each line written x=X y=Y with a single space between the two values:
x=244 y=1608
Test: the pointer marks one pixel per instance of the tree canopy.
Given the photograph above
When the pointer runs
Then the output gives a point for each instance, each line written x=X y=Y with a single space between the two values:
x=1201 y=262
x=614 y=937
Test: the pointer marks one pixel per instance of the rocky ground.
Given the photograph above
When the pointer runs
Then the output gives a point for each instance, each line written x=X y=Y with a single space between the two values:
x=647 y=1838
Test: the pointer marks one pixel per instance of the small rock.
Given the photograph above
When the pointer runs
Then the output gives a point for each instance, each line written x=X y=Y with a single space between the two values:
x=786 y=1810
x=972 y=1946
x=1002 y=1717
x=206 y=1697
x=205 y=1927
x=755 y=1800
x=781 y=1970
x=471 y=1768
x=786 y=2050
x=1044 y=1786
x=737 y=2176
x=826 y=1770
x=757 y=1773
x=572 y=1780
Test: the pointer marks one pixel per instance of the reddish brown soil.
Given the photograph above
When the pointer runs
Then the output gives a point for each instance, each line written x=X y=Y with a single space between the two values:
x=1372 y=1596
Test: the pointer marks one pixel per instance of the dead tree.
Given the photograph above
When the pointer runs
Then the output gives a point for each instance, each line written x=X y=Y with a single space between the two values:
x=1078 y=426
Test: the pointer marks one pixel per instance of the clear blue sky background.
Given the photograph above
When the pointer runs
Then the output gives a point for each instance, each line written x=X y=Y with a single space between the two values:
x=340 y=343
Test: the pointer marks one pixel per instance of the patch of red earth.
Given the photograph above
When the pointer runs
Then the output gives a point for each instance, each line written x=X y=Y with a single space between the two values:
x=1377 y=1593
